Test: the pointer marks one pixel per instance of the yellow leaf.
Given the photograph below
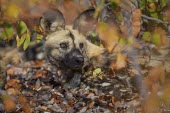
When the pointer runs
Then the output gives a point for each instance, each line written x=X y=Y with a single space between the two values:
x=20 y=41
x=121 y=61
x=12 y=10
x=96 y=72
x=109 y=35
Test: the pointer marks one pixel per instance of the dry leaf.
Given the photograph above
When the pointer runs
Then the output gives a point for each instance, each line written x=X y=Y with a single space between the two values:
x=157 y=74
x=109 y=35
x=9 y=104
x=11 y=82
x=91 y=104
x=70 y=102
x=22 y=100
x=10 y=71
x=12 y=91
x=26 y=108
x=121 y=61
x=152 y=104
x=113 y=100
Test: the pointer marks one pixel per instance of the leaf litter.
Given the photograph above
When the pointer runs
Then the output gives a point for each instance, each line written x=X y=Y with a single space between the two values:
x=33 y=87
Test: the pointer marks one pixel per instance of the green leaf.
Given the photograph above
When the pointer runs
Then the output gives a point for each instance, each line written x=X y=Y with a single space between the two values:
x=151 y=0
x=146 y=36
x=19 y=41
x=27 y=42
x=156 y=39
x=142 y=4
x=119 y=16
x=3 y=96
x=93 y=37
x=39 y=38
x=155 y=15
x=122 y=41
x=8 y=31
x=97 y=71
x=113 y=5
x=163 y=3
x=21 y=28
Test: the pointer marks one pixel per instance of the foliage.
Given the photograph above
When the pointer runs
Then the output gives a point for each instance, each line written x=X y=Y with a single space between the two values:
x=146 y=20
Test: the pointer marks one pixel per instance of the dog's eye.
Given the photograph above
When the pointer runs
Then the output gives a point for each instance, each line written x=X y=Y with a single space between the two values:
x=63 y=45
x=81 y=45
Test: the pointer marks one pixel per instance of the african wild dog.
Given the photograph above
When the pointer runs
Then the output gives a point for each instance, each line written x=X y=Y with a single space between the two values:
x=67 y=47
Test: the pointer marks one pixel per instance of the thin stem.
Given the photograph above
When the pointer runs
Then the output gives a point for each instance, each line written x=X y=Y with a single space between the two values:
x=158 y=20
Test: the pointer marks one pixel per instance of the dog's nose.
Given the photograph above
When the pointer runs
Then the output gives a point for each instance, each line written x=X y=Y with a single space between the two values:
x=79 y=60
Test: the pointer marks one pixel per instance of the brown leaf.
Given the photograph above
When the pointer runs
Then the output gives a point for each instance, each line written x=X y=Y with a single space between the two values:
x=9 y=104
x=10 y=71
x=22 y=100
x=26 y=108
x=166 y=93
x=109 y=35
x=136 y=15
x=70 y=102
x=121 y=61
x=91 y=104
x=151 y=104
x=136 y=22
x=157 y=74
x=113 y=100
x=12 y=91
x=11 y=82
x=135 y=30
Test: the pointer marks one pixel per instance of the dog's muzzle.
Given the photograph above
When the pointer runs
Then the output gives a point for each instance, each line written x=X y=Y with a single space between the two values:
x=74 y=59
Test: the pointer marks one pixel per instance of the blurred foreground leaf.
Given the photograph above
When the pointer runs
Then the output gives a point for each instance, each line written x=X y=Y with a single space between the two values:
x=19 y=41
x=146 y=36
x=8 y=31
x=9 y=103
x=39 y=38
x=23 y=36
x=27 y=42
x=21 y=29
x=12 y=10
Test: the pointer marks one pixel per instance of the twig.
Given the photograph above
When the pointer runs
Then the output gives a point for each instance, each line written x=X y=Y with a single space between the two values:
x=158 y=20
x=19 y=108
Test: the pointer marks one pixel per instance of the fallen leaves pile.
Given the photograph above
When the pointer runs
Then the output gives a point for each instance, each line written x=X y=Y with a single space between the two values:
x=34 y=87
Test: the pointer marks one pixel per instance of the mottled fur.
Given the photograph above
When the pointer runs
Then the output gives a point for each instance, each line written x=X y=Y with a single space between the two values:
x=78 y=52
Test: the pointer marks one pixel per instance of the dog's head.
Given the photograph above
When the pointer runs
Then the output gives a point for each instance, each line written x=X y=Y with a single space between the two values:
x=65 y=47
x=68 y=46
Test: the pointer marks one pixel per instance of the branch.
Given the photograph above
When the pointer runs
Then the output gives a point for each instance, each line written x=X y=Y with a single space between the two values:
x=158 y=20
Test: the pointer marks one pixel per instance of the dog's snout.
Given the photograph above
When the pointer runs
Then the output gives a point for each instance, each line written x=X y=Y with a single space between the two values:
x=79 y=60
x=75 y=59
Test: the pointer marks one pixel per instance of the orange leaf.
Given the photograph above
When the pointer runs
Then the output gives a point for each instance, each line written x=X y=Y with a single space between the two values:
x=22 y=100
x=91 y=104
x=10 y=71
x=27 y=108
x=121 y=61
x=9 y=104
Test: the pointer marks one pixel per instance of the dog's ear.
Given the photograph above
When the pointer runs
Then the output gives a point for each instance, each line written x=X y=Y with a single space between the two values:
x=52 y=20
x=85 y=23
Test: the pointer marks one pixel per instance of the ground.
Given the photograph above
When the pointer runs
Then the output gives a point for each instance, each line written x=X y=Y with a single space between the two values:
x=38 y=85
